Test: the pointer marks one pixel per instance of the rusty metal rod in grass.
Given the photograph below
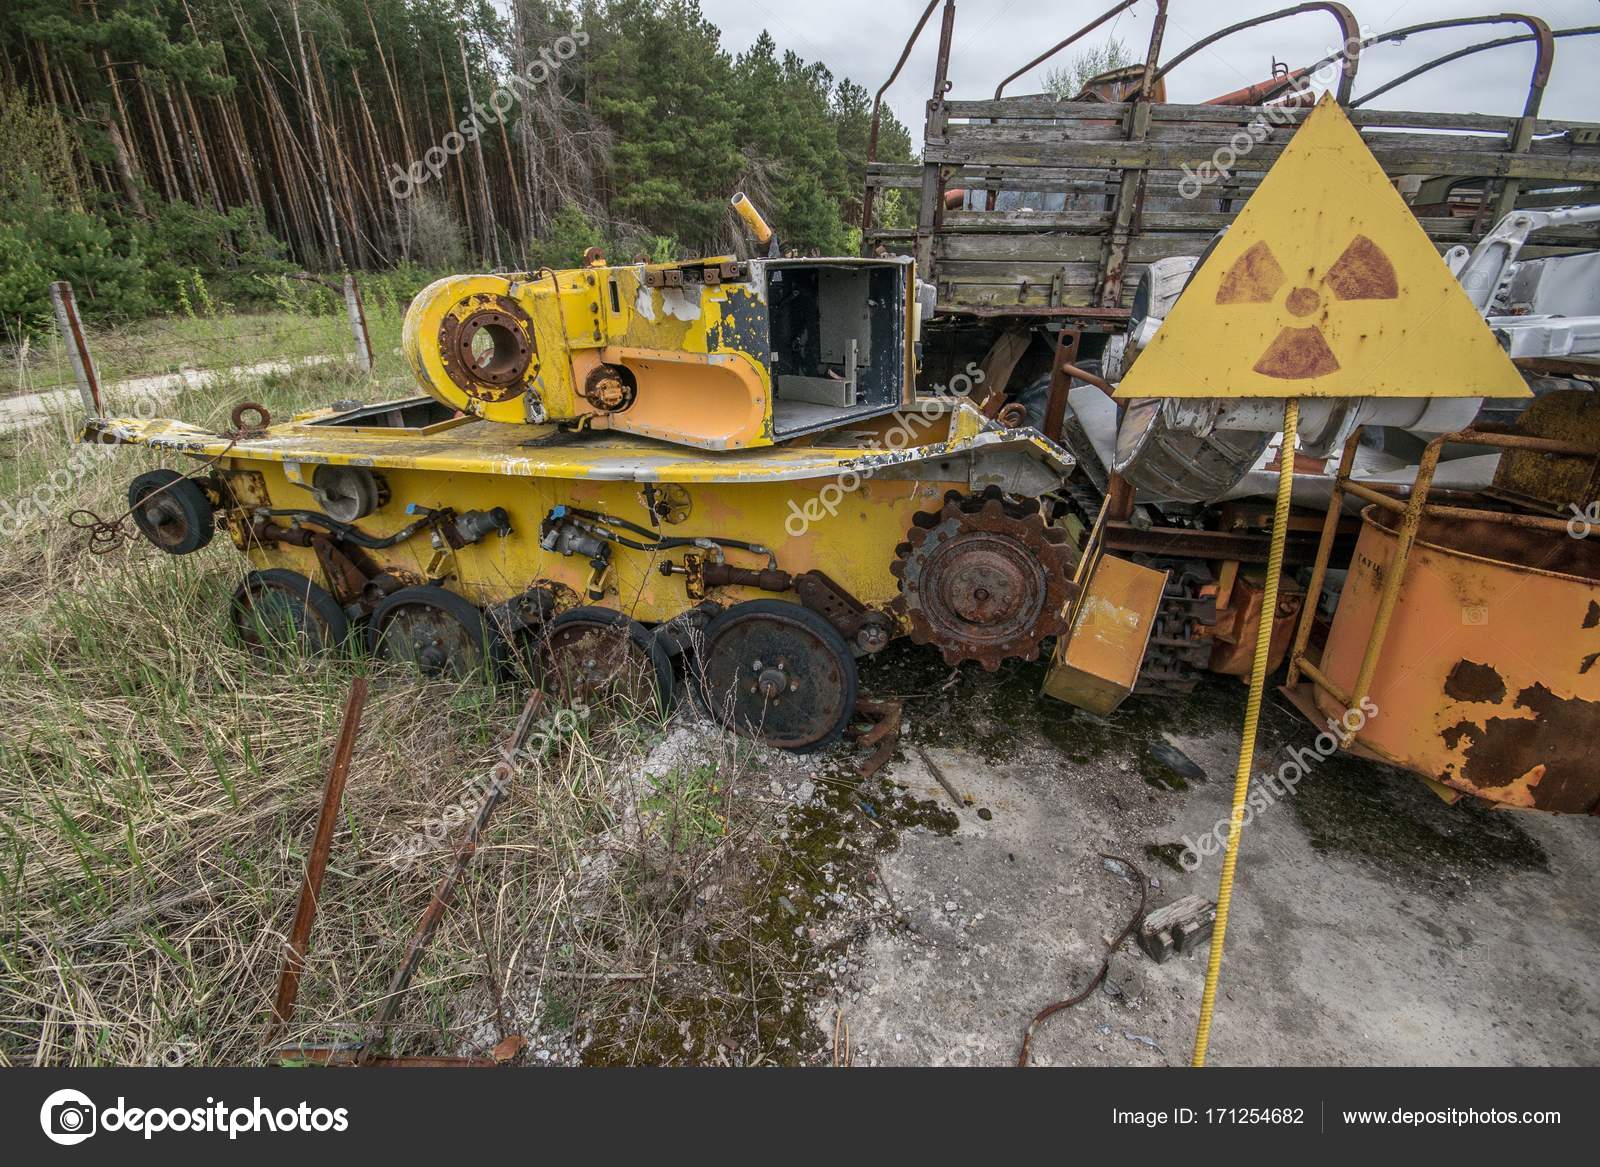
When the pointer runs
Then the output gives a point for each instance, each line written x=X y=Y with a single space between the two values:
x=429 y=923
x=294 y=959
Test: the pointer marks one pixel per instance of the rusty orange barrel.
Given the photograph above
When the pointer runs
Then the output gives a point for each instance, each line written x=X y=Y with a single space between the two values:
x=1488 y=681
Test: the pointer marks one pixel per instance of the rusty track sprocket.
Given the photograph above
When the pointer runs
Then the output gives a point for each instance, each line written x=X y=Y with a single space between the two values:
x=984 y=579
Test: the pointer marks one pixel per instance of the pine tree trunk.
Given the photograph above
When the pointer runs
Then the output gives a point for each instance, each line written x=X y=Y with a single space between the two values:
x=316 y=138
x=485 y=198
x=125 y=175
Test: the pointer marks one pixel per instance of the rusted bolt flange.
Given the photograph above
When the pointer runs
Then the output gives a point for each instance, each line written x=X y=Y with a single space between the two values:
x=488 y=349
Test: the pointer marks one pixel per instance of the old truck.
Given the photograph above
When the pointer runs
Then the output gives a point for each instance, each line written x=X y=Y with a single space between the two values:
x=1058 y=233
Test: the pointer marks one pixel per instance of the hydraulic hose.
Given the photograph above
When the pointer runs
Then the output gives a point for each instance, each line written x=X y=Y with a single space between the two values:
x=1252 y=719
x=661 y=542
x=349 y=530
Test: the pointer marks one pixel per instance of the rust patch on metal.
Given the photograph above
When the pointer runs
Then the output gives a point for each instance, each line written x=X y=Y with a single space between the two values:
x=1254 y=278
x=1471 y=681
x=1363 y=272
x=884 y=736
x=508 y=358
x=1297 y=354
x=1551 y=750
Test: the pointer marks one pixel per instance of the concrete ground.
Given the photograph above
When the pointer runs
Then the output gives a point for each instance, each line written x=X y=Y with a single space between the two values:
x=1372 y=923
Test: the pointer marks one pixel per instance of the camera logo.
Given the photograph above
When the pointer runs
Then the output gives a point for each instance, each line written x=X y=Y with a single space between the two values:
x=68 y=1117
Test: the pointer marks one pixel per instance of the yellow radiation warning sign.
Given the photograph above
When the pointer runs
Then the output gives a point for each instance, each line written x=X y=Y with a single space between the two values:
x=1325 y=286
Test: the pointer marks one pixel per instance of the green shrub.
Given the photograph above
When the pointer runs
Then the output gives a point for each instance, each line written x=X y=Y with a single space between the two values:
x=107 y=271
x=232 y=253
x=569 y=235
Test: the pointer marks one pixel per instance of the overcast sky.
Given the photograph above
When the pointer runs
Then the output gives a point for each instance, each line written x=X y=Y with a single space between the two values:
x=861 y=39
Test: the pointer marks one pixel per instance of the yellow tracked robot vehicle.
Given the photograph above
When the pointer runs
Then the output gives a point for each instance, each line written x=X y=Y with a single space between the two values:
x=619 y=472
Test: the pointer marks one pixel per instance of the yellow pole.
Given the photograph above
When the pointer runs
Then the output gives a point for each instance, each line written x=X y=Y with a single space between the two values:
x=752 y=217
x=1252 y=718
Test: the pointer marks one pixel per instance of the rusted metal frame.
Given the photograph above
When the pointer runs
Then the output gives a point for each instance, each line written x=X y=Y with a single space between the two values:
x=1093 y=551
x=1129 y=201
x=1161 y=10
x=434 y=913
x=1412 y=516
x=1349 y=29
x=1393 y=577
x=1509 y=518
x=867 y=196
x=1298 y=663
x=1323 y=681
x=1387 y=501
x=1182 y=542
x=305 y=914
x=1110 y=316
x=1066 y=357
x=1127 y=204
x=1319 y=567
x=1152 y=53
x=1521 y=137
x=930 y=217
x=1525 y=442
x=1543 y=61
x=1398 y=154
x=1121 y=496
x=77 y=346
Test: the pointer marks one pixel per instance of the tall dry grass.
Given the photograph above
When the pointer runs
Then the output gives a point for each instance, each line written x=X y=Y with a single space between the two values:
x=158 y=788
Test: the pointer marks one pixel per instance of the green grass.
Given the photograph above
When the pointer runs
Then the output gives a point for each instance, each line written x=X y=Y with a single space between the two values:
x=172 y=344
x=214 y=337
x=159 y=785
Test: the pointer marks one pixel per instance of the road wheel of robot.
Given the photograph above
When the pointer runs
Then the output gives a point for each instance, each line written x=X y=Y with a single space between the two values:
x=779 y=673
x=608 y=661
x=435 y=632
x=278 y=611
x=171 y=511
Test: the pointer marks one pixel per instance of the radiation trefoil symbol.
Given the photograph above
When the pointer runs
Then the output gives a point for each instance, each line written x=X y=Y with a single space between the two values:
x=1300 y=351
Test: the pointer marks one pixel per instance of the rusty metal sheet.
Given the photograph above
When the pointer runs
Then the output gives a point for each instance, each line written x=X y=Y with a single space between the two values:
x=1489 y=682
x=1097 y=663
